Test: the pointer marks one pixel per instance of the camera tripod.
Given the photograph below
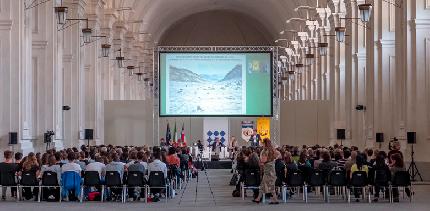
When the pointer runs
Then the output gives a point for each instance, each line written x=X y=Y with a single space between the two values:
x=413 y=169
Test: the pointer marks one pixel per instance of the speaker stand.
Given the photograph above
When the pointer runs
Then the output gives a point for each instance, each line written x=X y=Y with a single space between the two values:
x=88 y=143
x=413 y=169
x=380 y=145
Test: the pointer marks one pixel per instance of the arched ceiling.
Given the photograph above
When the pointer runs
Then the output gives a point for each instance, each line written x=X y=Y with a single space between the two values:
x=159 y=15
x=217 y=28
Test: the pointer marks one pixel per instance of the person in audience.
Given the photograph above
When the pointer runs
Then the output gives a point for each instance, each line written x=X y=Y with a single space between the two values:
x=52 y=166
x=379 y=169
x=31 y=166
x=267 y=158
x=131 y=158
x=395 y=149
x=7 y=170
x=97 y=166
x=156 y=166
x=279 y=169
x=326 y=164
x=360 y=165
x=397 y=164
x=351 y=161
x=344 y=155
x=289 y=163
x=71 y=165
x=295 y=154
x=115 y=165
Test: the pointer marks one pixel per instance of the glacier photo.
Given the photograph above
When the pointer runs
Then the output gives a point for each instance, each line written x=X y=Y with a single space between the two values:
x=201 y=93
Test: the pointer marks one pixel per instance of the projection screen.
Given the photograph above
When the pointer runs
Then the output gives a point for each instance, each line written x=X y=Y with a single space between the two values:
x=215 y=84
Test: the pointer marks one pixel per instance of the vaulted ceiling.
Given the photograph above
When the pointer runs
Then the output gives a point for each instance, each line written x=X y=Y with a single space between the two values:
x=159 y=15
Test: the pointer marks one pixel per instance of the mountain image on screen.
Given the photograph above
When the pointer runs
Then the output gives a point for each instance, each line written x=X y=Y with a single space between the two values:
x=205 y=94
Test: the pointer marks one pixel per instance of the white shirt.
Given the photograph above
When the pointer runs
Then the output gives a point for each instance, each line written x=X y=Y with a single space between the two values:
x=157 y=165
x=71 y=166
x=96 y=166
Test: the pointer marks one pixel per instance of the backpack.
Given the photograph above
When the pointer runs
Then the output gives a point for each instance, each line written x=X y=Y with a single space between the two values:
x=233 y=181
x=236 y=193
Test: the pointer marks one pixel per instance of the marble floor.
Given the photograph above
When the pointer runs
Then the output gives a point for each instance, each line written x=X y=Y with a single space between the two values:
x=211 y=192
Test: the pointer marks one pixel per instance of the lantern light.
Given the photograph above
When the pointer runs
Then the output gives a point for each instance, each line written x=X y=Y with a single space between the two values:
x=130 y=70
x=323 y=48
x=139 y=76
x=87 y=34
x=105 y=50
x=61 y=14
x=365 y=12
x=340 y=33
x=120 y=61
x=310 y=58
x=299 y=67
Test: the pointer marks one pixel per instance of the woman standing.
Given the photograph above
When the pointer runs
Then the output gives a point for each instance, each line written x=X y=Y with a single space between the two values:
x=267 y=157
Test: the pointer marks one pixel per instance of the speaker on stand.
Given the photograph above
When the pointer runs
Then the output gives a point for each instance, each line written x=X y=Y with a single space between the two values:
x=89 y=135
x=340 y=135
x=379 y=139
x=13 y=140
x=413 y=169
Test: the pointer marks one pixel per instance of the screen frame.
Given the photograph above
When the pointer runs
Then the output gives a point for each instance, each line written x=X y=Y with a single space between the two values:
x=215 y=52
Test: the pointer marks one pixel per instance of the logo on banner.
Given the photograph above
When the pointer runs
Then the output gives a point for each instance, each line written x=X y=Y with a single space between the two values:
x=247 y=130
x=263 y=127
x=216 y=134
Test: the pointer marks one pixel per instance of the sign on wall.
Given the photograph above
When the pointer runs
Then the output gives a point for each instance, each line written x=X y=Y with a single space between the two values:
x=263 y=127
x=247 y=130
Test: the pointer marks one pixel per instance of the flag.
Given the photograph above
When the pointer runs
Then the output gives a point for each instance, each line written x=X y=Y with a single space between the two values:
x=168 y=134
x=183 y=133
x=174 y=134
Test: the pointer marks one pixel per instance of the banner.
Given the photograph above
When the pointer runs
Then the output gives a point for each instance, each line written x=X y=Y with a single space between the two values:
x=247 y=130
x=263 y=127
x=215 y=128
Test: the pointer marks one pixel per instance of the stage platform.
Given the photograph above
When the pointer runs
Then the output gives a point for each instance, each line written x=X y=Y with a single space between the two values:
x=221 y=164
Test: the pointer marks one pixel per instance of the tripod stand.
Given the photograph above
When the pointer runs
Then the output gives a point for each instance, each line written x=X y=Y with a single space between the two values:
x=413 y=169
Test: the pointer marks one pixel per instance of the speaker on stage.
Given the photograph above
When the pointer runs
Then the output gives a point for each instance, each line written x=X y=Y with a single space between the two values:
x=340 y=134
x=379 y=137
x=89 y=134
x=412 y=137
x=13 y=138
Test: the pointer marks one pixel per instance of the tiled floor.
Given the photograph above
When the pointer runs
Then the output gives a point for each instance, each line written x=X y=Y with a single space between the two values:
x=198 y=196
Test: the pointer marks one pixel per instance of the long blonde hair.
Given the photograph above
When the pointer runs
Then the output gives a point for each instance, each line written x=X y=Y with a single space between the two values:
x=29 y=162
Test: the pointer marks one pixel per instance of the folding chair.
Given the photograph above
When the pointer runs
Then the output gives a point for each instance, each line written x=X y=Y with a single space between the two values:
x=49 y=180
x=401 y=179
x=336 y=179
x=296 y=180
x=318 y=179
x=136 y=179
x=359 y=181
x=113 y=180
x=251 y=181
x=8 y=179
x=157 y=180
x=28 y=180
x=91 y=179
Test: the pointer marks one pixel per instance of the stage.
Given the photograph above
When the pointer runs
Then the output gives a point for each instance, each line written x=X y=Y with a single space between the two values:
x=221 y=164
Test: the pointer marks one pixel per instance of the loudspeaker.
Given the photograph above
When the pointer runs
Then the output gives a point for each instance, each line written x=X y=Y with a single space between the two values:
x=379 y=137
x=412 y=137
x=340 y=134
x=13 y=138
x=89 y=133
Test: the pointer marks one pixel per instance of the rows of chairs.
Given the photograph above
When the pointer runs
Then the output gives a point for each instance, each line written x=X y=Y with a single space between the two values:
x=335 y=182
x=91 y=179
